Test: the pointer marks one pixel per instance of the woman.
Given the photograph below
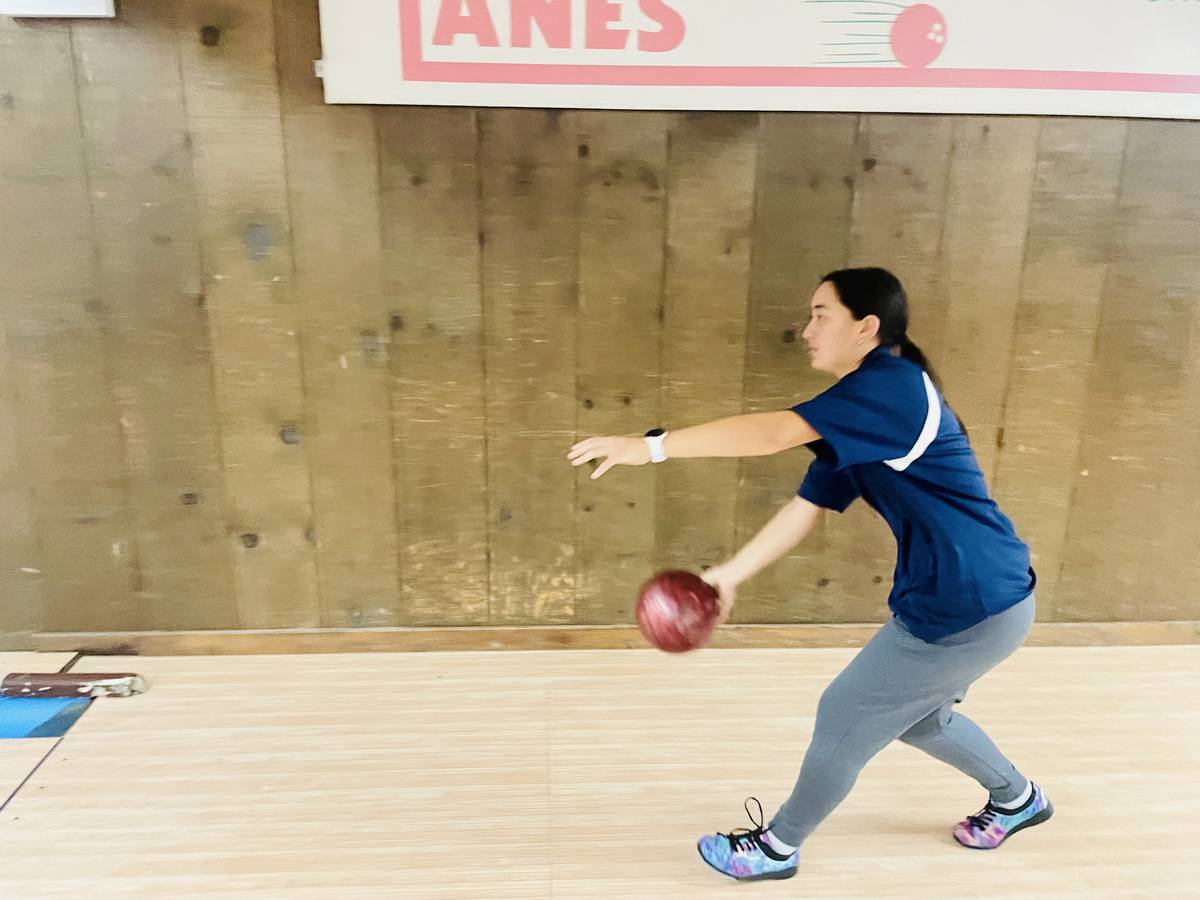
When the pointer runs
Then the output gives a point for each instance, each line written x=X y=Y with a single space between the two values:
x=962 y=598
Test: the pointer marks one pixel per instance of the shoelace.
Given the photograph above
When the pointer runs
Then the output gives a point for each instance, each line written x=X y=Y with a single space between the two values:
x=984 y=817
x=747 y=838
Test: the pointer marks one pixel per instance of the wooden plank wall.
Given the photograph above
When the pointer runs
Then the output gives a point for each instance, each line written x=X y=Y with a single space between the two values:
x=272 y=363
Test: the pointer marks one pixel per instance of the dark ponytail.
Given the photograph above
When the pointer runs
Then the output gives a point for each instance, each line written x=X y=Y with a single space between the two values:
x=877 y=292
x=914 y=354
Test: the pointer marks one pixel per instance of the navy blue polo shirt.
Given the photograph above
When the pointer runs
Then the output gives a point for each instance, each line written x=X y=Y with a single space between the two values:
x=888 y=436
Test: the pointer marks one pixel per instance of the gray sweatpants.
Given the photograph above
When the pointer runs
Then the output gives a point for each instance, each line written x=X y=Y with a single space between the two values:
x=899 y=686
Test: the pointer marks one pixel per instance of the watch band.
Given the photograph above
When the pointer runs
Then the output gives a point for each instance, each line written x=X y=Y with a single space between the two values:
x=654 y=440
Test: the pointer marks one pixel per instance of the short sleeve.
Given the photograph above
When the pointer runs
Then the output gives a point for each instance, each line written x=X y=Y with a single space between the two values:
x=827 y=487
x=877 y=415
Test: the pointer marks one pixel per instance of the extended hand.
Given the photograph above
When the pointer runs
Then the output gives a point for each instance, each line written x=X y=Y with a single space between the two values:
x=614 y=450
x=726 y=591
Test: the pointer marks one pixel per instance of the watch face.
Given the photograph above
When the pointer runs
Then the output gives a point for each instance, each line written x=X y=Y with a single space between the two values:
x=655 y=432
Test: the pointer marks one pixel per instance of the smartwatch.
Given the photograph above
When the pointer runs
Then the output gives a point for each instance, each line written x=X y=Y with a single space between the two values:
x=654 y=440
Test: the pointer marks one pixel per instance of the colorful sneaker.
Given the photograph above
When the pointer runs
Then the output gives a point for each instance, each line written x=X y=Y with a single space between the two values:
x=744 y=854
x=992 y=826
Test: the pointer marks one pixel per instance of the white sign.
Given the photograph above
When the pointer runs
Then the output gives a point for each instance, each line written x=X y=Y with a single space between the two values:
x=45 y=9
x=1065 y=57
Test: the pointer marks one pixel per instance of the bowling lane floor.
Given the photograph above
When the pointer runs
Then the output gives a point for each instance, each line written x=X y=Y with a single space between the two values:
x=565 y=774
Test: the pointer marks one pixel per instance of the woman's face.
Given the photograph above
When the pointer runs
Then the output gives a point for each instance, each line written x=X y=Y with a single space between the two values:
x=837 y=342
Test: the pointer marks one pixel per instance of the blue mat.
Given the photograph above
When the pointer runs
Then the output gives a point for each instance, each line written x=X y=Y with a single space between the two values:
x=31 y=717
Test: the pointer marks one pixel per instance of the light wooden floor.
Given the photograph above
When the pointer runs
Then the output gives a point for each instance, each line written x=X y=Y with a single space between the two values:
x=588 y=774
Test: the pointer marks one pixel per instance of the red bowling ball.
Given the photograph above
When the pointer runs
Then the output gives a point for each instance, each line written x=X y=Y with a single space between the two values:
x=677 y=611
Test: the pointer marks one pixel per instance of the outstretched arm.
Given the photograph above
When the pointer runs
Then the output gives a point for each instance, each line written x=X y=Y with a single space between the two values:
x=755 y=434
x=786 y=529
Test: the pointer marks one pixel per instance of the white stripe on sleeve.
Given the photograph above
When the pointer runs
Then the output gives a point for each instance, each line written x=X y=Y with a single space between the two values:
x=933 y=421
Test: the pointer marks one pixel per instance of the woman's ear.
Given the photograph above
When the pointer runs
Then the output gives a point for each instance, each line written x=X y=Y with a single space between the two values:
x=869 y=327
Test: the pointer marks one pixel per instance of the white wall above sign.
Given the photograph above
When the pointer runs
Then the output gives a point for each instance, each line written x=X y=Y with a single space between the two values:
x=58 y=9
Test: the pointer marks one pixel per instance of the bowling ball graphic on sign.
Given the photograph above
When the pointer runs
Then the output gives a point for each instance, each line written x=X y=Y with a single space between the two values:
x=879 y=32
x=918 y=35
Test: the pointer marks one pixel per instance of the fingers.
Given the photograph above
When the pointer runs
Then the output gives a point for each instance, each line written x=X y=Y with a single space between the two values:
x=612 y=450
x=725 y=604
x=595 y=448
x=585 y=457
x=603 y=467
x=587 y=450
